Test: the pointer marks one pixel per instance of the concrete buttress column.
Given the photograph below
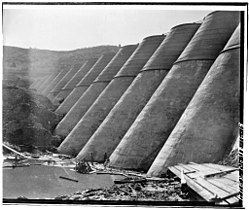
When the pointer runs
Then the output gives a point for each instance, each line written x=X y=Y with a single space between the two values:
x=66 y=104
x=110 y=132
x=68 y=88
x=64 y=81
x=88 y=97
x=50 y=79
x=56 y=72
x=53 y=83
x=209 y=125
x=38 y=83
x=78 y=137
x=84 y=83
x=46 y=81
x=34 y=82
x=148 y=133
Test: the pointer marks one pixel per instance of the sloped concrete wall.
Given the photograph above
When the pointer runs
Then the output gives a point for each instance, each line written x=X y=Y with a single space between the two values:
x=57 y=79
x=209 y=125
x=64 y=81
x=38 y=82
x=142 y=142
x=109 y=97
x=110 y=132
x=48 y=81
x=67 y=89
x=45 y=81
x=63 y=108
x=91 y=94
x=61 y=72
x=85 y=82
x=32 y=85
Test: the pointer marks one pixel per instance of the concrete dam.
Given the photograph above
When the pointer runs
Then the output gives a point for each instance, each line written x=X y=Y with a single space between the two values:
x=173 y=98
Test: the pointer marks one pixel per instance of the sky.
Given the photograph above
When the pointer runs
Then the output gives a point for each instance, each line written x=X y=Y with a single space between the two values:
x=73 y=27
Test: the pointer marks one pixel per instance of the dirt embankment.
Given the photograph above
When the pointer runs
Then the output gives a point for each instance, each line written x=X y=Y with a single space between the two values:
x=28 y=119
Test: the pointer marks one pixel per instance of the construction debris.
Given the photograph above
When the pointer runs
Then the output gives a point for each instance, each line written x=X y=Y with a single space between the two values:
x=134 y=185
x=74 y=180
x=149 y=191
x=126 y=185
x=82 y=167
x=15 y=158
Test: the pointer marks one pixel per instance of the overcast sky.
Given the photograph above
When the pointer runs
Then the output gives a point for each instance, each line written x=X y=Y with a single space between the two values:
x=68 y=28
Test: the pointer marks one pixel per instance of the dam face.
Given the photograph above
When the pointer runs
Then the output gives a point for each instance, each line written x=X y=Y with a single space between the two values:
x=94 y=90
x=110 y=132
x=209 y=124
x=142 y=142
x=109 y=97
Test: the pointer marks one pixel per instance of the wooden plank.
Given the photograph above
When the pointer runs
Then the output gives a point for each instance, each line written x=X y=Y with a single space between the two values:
x=214 y=171
x=226 y=188
x=220 y=193
x=233 y=192
x=194 y=177
x=203 y=168
x=16 y=152
x=218 y=167
x=220 y=173
x=221 y=168
x=231 y=195
x=69 y=179
x=187 y=169
x=218 y=184
x=194 y=186
x=224 y=203
x=200 y=185
x=231 y=179
x=233 y=176
x=228 y=183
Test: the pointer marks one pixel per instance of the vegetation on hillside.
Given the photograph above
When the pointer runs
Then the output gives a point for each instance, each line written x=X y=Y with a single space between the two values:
x=36 y=62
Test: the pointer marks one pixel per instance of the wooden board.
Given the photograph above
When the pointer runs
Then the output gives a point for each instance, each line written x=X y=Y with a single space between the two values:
x=212 y=182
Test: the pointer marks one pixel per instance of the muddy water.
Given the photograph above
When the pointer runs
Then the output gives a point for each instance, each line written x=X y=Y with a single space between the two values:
x=41 y=182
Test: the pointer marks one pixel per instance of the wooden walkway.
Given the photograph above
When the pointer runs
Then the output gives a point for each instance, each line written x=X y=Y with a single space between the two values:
x=212 y=182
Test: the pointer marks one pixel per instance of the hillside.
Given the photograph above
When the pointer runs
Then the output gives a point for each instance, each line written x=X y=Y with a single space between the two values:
x=34 y=118
x=36 y=62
